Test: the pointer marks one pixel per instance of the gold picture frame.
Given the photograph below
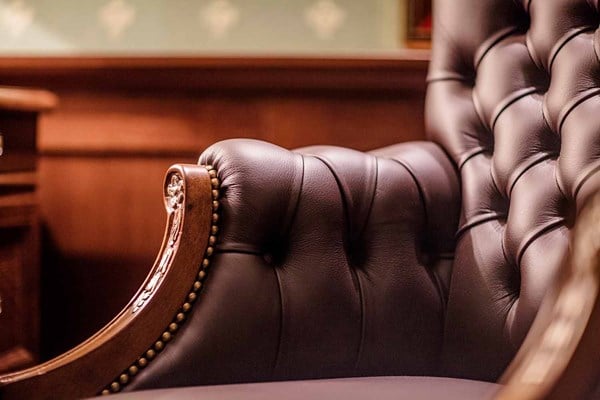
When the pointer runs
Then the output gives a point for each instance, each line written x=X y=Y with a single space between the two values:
x=419 y=15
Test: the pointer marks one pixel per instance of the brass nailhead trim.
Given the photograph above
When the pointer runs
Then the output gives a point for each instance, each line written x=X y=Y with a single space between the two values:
x=169 y=333
x=150 y=354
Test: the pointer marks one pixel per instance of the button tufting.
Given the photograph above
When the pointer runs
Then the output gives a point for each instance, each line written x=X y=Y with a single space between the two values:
x=535 y=98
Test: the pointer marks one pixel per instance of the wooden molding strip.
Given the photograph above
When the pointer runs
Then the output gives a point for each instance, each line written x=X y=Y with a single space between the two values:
x=28 y=100
x=369 y=71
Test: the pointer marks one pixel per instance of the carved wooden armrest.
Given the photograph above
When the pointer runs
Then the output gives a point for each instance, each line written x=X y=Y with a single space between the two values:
x=109 y=359
x=560 y=358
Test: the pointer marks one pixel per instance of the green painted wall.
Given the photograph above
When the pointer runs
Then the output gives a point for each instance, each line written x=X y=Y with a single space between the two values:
x=62 y=27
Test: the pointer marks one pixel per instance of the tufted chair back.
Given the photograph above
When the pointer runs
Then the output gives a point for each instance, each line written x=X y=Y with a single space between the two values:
x=514 y=99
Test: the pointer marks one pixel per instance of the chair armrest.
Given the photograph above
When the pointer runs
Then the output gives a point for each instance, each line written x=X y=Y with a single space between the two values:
x=327 y=264
x=438 y=183
x=323 y=268
x=262 y=184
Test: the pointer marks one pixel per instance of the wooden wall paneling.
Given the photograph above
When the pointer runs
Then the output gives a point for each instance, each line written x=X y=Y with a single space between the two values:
x=103 y=225
x=377 y=71
x=170 y=123
x=122 y=122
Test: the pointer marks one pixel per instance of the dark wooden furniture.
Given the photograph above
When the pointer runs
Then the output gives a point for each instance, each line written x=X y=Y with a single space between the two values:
x=19 y=226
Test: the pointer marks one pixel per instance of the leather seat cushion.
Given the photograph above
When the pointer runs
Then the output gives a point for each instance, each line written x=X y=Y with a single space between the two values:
x=389 y=387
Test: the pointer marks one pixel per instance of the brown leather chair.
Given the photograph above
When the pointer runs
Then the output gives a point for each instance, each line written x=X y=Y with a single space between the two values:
x=419 y=259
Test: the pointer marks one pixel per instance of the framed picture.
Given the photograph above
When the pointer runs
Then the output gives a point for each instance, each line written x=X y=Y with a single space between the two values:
x=418 y=23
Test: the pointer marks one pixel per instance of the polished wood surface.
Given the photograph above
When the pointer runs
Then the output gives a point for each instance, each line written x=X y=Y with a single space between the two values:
x=372 y=71
x=19 y=226
x=19 y=284
x=173 y=124
x=32 y=100
x=91 y=367
x=121 y=122
x=560 y=358
x=103 y=224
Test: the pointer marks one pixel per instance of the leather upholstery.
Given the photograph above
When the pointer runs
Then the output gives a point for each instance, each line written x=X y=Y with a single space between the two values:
x=330 y=263
x=513 y=97
x=380 y=388
x=420 y=258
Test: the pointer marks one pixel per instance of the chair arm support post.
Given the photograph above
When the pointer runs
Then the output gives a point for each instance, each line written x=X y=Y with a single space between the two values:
x=561 y=354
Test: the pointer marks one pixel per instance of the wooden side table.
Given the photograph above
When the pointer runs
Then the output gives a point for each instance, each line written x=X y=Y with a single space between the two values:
x=19 y=226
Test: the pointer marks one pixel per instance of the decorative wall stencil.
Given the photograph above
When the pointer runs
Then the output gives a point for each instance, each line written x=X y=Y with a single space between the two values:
x=325 y=18
x=16 y=17
x=115 y=17
x=199 y=27
x=219 y=16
